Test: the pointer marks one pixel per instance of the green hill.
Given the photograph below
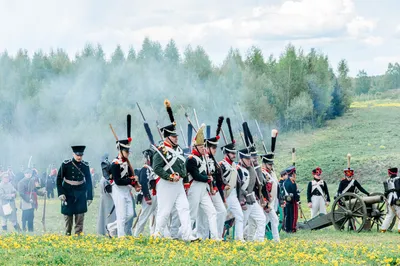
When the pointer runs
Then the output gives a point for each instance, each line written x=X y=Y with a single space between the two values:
x=369 y=131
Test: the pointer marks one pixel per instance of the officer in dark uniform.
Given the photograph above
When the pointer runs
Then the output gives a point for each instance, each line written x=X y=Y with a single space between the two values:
x=74 y=186
x=292 y=199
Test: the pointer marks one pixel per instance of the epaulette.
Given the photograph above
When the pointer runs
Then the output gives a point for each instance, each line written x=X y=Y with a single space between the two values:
x=115 y=161
x=67 y=161
x=85 y=163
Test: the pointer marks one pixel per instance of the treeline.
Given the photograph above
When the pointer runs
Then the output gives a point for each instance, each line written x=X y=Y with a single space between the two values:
x=364 y=84
x=49 y=100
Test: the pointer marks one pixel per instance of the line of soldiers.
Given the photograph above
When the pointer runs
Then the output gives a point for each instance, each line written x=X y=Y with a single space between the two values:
x=185 y=193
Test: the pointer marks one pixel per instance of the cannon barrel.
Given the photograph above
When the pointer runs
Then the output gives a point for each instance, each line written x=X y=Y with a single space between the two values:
x=370 y=199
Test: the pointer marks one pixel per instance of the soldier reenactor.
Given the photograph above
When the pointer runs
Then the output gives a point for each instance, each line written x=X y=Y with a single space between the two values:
x=148 y=181
x=317 y=194
x=28 y=192
x=169 y=165
x=292 y=200
x=272 y=187
x=392 y=193
x=106 y=206
x=50 y=183
x=8 y=210
x=231 y=184
x=218 y=194
x=200 y=179
x=124 y=179
x=74 y=187
x=348 y=183
x=248 y=200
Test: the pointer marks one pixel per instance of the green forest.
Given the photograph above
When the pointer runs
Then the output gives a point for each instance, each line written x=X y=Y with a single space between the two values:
x=49 y=101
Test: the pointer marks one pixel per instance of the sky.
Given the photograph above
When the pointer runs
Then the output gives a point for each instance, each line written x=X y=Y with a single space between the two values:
x=364 y=32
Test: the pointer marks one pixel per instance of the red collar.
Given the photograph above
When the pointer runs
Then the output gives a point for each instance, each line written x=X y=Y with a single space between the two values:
x=122 y=158
x=195 y=152
x=228 y=160
x=167 y=144
x=266 y=169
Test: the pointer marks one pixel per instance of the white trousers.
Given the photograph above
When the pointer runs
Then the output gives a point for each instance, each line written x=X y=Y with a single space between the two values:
x=147 y=212
x=318 y=205
x=256 y=213
x=199 y=198
x=237 y=212
x=389 y=217
x=123 y=209
x=202 y=221
x=172 y=195
x=272 y=217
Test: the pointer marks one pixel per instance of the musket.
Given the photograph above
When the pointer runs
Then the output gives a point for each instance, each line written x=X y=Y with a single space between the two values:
x=188 y=119
x=294 y=156
x=146 y=126
x=44 y=199
x=29 y=162
x=223 y=136
x=261 y=136
x=157 y=123
x=195 y=117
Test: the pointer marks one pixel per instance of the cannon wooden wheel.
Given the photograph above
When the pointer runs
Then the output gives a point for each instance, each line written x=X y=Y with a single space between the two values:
x=349 y=212
x=378 y=213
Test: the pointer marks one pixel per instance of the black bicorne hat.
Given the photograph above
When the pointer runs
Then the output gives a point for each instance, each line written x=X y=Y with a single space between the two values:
x=78 y=150
x=267 y=158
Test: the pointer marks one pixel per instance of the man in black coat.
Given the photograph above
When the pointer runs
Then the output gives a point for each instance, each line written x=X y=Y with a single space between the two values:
x=74 y=187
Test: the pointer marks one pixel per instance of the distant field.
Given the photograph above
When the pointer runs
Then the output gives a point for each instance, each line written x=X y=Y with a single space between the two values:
x=369 y=132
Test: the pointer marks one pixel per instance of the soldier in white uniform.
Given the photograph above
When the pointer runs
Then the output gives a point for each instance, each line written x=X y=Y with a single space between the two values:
x=272 y=188
x=317 y=194
x=169 y=165
x=200 y=180
x=217 y=195
x=231 y=186
x=148 y=181
x=392 y=193
x=251 y=209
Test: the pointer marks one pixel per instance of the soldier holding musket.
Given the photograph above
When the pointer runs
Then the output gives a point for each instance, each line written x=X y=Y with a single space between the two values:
x=231 y=183
x=169 y=165
x=124 y=179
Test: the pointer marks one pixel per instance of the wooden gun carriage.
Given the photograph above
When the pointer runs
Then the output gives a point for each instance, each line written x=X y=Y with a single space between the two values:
x=352 y=212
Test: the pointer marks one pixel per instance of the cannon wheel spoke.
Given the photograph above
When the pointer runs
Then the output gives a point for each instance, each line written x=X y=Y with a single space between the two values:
x=349 y=210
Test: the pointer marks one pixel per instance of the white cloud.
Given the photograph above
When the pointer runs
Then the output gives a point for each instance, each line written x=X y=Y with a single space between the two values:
x=360 y=27
x=373 y=40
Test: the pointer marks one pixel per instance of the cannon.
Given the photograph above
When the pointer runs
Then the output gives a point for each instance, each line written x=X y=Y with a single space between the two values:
x=352 y=213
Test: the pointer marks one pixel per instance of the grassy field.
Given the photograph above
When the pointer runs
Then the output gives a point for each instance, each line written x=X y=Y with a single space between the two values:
x=368 y=131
